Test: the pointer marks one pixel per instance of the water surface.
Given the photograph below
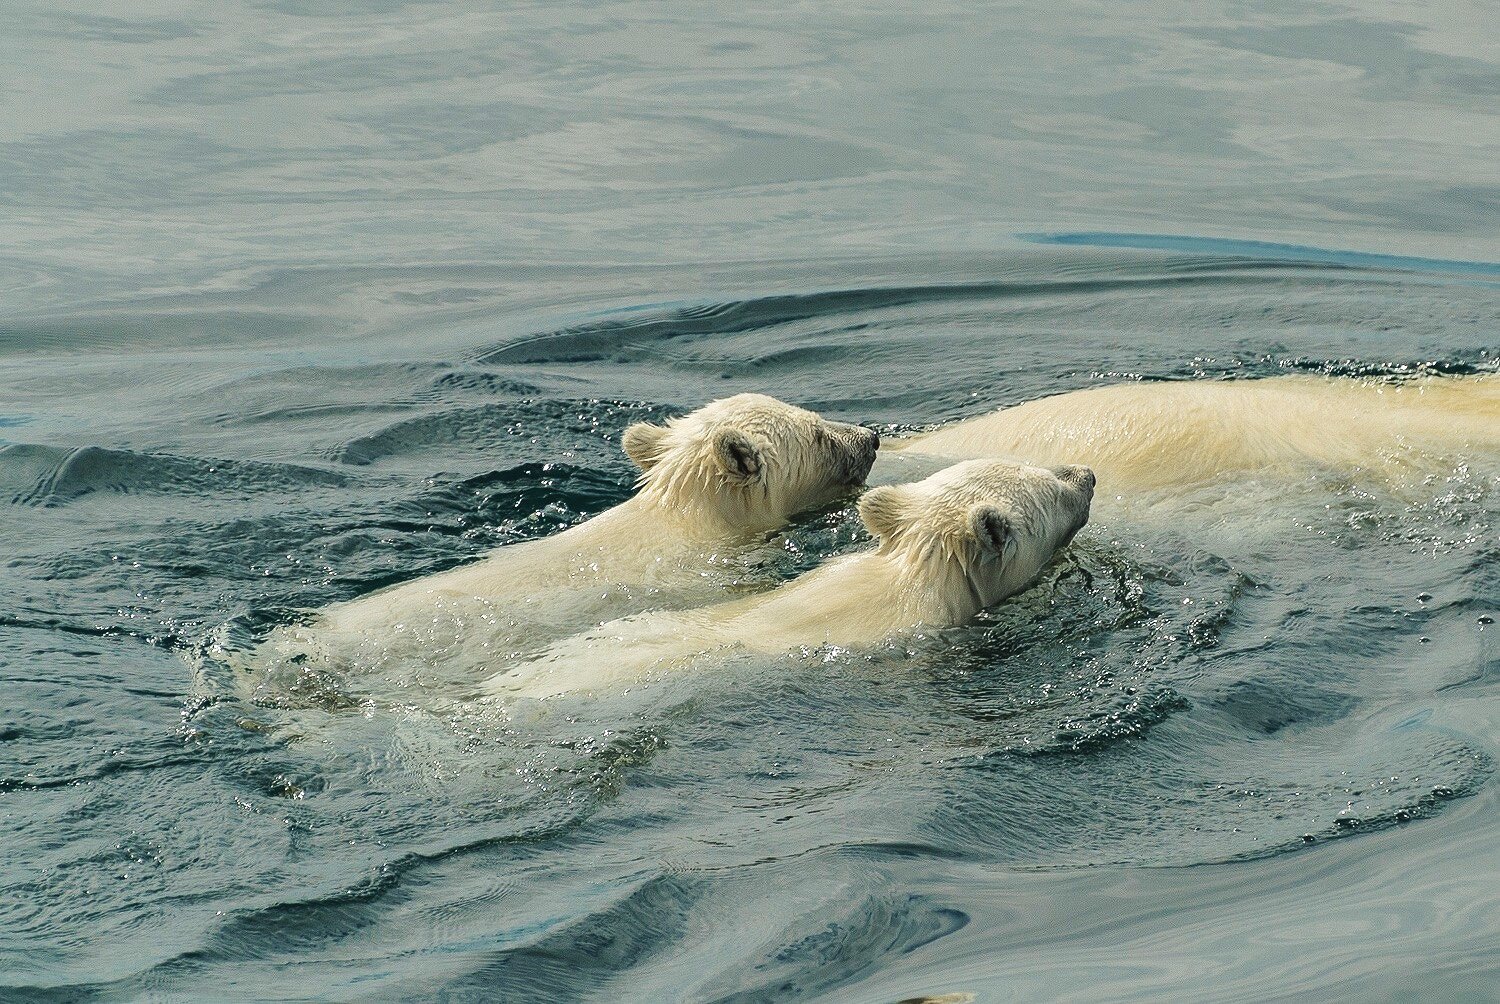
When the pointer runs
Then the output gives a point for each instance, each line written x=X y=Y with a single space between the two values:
x=295 y=306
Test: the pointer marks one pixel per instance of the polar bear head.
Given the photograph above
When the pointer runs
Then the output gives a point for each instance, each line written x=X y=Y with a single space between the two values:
x=979 y=531
x=748 y=462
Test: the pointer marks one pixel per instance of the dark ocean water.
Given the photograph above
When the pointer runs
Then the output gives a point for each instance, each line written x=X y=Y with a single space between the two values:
x=295 y=306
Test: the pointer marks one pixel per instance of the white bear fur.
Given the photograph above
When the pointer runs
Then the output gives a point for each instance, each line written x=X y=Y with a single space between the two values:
x=1146 y=436
x=949 y=546
x=712 y=485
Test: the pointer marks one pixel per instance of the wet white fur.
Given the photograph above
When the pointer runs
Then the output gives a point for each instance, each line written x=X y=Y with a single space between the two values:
x=712 y=484
x=1145 y=436
x=949 y=546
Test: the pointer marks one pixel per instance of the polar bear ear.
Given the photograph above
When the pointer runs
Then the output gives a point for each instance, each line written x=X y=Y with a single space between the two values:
x=738 y=458
x=884 y=510
x=993 y=533
x=644 y=444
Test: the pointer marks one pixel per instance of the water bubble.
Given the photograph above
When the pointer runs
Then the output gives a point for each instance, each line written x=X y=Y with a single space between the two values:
x=1486 y=619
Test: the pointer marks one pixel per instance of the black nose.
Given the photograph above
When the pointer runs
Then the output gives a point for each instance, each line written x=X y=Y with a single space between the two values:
x=874 y=439
x=1076 y=474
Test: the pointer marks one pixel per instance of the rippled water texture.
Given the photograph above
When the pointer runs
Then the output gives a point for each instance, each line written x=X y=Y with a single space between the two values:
x=293 y=307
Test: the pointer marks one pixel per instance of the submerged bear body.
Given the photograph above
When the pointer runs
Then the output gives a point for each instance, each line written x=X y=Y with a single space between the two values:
x=949 y=546
x=1146 y=436
x=712 y=485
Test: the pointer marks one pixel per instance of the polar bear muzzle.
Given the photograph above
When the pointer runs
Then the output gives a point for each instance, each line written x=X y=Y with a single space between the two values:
x=849 y=451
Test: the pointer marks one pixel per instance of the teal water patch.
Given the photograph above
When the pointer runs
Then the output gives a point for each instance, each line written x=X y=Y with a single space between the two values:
x=11 y=422
x=1265 y=250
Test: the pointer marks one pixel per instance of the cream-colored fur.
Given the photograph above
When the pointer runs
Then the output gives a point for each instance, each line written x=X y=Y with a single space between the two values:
x=1145 y=436
x=712 y=485
x=949 y=546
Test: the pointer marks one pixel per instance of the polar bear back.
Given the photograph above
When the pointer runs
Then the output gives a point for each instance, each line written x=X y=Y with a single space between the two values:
x=1153 y=435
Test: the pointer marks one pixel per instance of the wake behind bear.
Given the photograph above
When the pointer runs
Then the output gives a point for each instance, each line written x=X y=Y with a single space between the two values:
x=712 y=485
x=949 y=546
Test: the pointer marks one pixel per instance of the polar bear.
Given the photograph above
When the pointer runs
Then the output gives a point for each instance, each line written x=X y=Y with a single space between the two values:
x=1145 y=436
x=949 y=546
x=713 y=483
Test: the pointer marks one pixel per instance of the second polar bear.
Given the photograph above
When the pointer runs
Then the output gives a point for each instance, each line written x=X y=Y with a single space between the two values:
x=949 y=546
x=1145 y=436
x=713 y=483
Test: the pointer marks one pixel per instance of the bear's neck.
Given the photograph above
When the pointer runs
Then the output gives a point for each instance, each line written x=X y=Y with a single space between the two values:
x=937 y=593
x=730 y=520
x=858 y=599
x=641 y=529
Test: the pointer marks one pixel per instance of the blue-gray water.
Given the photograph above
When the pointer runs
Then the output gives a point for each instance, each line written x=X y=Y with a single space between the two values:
x=293 y=306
